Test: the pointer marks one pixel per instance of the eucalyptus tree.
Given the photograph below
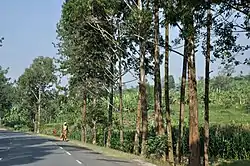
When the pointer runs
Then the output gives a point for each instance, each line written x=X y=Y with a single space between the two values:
x=159 y=126
x=87 y=50
x=33 y=86
x=207 y=79
x=187 y=17
x=230 y=19
x=139 y=31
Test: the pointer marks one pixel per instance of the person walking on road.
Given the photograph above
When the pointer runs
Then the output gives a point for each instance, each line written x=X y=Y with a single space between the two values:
x=64 y=131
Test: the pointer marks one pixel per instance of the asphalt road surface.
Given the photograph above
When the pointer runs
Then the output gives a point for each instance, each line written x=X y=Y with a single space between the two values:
x=19 y=149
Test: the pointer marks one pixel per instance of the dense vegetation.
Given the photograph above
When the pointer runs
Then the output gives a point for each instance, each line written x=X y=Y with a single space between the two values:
x=99 y=41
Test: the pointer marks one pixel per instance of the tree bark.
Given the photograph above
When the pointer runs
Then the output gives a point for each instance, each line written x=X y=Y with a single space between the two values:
x=194 y=138
x=111 y=103
x=141 y=113
x=138 y=126
x=94 y=132
x=39 y=111
x=84 y=111
x=168 y=113
x=182 y=103
x=35 y=122
x=143 y=94
x=157 y=75
x=207 y=68
x=120 y=102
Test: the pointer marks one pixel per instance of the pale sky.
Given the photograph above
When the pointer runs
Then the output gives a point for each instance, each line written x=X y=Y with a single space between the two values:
x=29 y=28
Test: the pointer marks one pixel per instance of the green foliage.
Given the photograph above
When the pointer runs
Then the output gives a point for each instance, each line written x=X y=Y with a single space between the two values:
x=96 y=114
x=226 y=141
x=39 y=75
x=6 y=94
x=230 y=91
x=1 y=41
x=171 y=82
x=232 y=21
x=85 y=51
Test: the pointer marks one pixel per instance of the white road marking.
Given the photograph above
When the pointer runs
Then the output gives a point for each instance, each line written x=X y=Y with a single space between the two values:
x=79 y=162
x=1 y=159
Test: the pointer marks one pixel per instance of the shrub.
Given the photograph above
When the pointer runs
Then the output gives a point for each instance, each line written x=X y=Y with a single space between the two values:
x=226 y=141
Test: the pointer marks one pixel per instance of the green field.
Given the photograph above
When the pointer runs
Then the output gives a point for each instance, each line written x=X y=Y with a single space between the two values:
x=217 y=115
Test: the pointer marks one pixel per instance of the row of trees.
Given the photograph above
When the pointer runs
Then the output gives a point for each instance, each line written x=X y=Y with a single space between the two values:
x=126 y=29
x=100 y=41
x=227 y=93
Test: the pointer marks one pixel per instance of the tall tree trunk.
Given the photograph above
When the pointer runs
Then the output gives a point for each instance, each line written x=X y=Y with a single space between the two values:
x=194 y=137
x=84 y=111
x=39 y=111
x=138 y=126
x=35 y=122
x=207 y=63
x=182 y=103
x=143 y=90
x=157 y=75
x=94 y=132
x=139 y=105
x=168 y=117
x=143 y=94
x=111 y=103
x=94 y=124
x=120 y=102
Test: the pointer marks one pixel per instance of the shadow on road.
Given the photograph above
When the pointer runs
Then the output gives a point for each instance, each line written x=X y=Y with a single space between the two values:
x=114 y=160
x=19 y=149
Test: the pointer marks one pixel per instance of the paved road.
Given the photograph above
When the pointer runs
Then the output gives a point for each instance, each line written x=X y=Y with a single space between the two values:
x=19 y=149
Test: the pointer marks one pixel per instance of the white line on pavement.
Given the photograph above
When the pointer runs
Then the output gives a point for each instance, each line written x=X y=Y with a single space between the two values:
x=68 y=153
x=1 y=159
x=79 y=162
